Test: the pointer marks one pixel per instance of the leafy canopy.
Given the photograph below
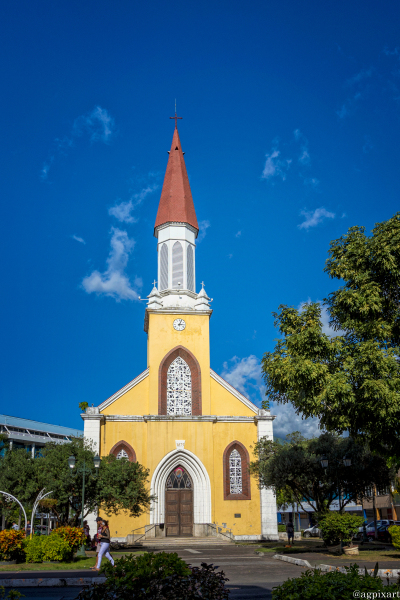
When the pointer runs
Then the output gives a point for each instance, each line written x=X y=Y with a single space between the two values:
x=350 y=381
x=295 y=470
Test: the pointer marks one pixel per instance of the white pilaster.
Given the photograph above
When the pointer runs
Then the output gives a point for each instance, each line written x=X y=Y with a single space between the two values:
x=91 y=432
x=269 y=521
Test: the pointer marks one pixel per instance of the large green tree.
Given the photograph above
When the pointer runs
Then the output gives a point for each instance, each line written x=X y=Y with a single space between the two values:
x=117 y=485
x=294 y=469
x=350 y=381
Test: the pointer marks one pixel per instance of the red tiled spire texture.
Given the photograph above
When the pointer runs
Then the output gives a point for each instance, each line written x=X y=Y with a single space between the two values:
x=176 y=202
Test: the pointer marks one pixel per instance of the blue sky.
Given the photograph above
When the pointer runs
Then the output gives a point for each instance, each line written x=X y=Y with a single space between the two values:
x=290 y=127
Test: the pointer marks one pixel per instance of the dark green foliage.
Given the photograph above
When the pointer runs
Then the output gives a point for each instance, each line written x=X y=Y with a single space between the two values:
x=118 y=485
x=281 y=528
x=313 y=585
x=294 y=469
x=351 y=381
x=161 y=576
x=337 y=528
x=83 y=406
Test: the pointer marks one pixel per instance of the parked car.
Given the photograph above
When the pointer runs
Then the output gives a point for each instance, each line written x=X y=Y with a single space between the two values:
x=370 y=524
x=313 y=531
x=382 y=530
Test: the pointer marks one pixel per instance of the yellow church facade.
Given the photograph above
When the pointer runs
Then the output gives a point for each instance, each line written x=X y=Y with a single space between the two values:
x=182 y=421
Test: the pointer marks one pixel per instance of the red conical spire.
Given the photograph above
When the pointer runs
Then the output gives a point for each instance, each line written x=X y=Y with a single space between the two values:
x=176 y=202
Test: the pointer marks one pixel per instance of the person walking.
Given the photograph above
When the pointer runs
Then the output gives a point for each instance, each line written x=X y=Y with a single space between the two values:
x=104 y=540
x=290 y=532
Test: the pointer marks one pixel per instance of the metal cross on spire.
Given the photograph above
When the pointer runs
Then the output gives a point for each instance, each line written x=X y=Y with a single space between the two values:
x=176 y=118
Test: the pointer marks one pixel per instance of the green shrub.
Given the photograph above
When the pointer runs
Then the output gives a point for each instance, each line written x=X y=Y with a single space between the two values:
x=34 y=549
x=75 y=536
x=56 y=548
x=281 y=527
x=50 y=547
x=336 y=527
x=333 y=586
x=394 y=532
x=158 y=576
x=11 y=544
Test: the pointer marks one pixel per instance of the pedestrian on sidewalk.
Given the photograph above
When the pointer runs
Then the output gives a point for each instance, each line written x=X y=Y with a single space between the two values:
x=290 y=532
x=104 y=540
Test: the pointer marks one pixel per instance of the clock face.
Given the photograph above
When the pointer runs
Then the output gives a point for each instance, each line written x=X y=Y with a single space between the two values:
x=179 y=324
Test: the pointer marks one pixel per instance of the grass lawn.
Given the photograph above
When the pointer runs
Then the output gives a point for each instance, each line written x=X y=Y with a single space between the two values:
x=372 y=555
x=78 y=563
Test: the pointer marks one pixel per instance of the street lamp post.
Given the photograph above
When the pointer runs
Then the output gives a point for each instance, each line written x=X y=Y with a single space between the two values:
x=84 y=470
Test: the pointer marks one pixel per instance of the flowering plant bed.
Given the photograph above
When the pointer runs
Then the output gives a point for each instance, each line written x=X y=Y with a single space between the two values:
x=11 y=544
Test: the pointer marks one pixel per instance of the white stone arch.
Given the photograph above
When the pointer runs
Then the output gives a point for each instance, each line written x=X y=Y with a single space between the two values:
x=200 y=480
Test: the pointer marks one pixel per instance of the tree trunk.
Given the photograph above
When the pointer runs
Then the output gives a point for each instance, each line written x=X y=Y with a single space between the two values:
x=374 y=509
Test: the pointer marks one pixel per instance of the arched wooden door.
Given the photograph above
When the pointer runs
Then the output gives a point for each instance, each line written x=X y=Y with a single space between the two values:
x=179 y=504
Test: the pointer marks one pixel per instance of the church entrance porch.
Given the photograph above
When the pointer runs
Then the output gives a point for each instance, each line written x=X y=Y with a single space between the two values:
x=179 y=504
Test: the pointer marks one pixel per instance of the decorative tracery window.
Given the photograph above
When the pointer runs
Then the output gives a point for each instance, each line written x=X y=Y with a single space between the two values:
x=235 y=473
x=178 y=479
x=179 y=388
x=122 y=454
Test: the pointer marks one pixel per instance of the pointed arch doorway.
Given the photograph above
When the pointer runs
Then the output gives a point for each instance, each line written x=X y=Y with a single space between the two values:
x=179 y=504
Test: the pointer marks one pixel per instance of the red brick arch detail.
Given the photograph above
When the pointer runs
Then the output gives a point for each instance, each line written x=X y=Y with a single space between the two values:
x=124 y=446
x=194 y=366
x=244 y=455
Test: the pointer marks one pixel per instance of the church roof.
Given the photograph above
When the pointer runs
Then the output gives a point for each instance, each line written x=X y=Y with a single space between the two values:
x=176 y=202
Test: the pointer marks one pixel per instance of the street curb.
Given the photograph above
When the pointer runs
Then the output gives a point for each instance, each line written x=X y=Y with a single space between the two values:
x=50 y=582
x=293 y=561
x=391 y=573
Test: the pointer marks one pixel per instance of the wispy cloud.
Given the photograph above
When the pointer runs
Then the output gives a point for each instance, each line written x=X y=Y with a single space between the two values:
x=123 y=211
x=314 y=218
x=348 y=106
x=275 y=166
x=114 y=282
x=363 y=74
x=304 y=156
x=238 y=234
x=98 y=125
x=203 y=226
x=244 y=374
x=78 y=239
x=394 y=52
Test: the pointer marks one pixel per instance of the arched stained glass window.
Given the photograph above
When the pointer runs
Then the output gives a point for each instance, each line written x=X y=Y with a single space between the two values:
x=122 y=454
x=190 y=269
x=178 y=479
x=235 y=473
x=177 y=266
x=164 y=267
x=179 y=388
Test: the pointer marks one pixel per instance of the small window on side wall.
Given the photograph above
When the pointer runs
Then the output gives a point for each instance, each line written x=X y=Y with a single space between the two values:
x=123 y=450
x=236 y=472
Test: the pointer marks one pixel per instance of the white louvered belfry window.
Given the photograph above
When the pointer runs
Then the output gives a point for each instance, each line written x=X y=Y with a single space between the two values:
x=179 y=388
x=177 y=266
x=122 y=454
x=164 y=267
x=190 y=269
x=235 y=473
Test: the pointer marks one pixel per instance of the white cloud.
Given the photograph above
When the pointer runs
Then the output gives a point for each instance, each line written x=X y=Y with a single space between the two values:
x=274 y=166
x=304 y=156
x=312 y=181
x=287 y=421
x=78 y=239
x=347 y=107
x=97 y=124
x=238 y=234
x=114 y=282
x=203 y=226
x=363 y=74
x=245 y=376
x=314 y=218
x=123 y=210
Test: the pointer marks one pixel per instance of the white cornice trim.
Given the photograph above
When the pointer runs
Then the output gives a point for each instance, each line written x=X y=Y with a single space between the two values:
x=123 y=390
x=186 y=418
x=234 y=392
x=175 y=224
